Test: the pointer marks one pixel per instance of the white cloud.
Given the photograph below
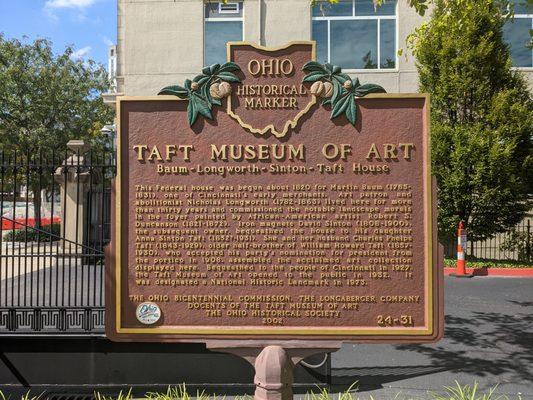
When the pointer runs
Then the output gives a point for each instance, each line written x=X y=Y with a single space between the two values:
x=107 y=41
x=80 y=53
x=69 y=3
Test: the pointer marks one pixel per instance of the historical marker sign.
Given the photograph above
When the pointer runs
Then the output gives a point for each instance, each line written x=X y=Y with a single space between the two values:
x=303 y=210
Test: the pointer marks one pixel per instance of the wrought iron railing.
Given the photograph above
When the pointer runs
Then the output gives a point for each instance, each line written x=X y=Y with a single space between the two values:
x=55 y=219
x=513 y=245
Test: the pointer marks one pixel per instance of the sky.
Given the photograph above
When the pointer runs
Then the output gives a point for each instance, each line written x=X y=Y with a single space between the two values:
x=88 y=25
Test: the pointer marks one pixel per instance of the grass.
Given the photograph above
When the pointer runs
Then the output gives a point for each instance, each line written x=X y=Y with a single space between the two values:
x=180 y=393
x=126 y=396
x=457 y=392
x=323 y=394
x=478 y=263
x=26 y=396
x=467 y=392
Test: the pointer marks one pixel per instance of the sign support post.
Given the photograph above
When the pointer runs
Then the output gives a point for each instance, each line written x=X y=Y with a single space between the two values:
x=273 y=361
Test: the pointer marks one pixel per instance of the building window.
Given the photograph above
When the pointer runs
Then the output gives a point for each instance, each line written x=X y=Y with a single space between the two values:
x=223 y=23
x=516 y=33
x=354 y=34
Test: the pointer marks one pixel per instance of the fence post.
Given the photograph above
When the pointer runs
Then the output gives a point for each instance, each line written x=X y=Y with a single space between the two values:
x=528 y=241
x=74 y=180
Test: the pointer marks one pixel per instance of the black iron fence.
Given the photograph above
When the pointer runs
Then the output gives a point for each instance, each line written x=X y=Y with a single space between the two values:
x=514 y=245
x=55 y=219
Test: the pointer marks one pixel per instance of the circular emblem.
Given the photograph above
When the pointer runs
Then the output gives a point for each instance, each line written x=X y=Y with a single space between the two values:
x=148 y=313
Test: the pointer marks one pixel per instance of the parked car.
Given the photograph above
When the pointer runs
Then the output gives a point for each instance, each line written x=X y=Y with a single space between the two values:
x=23 y=217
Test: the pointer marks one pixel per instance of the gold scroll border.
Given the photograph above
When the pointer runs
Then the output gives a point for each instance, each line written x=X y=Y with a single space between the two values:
x=198 y=331
x=291 y=123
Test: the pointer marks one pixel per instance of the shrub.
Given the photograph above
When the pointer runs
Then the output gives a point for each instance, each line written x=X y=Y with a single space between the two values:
x=518 y=242
x=485 y=263
x=31 y=235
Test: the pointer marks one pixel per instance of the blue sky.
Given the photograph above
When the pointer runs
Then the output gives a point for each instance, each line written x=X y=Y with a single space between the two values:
x=88 y=25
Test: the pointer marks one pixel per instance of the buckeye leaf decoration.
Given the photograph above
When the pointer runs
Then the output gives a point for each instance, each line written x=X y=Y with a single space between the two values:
x=198 y=105
x=201 y=92
x=351 y=110
x=363 y=90
x=341 y=93
x=175 y=90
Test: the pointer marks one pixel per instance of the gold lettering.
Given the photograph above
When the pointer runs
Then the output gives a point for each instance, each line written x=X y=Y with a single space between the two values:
x=373 y=152
x=155 y=154
x=407 y=149
x=286 y=66
x=219 y=154
x=186 y=148
x=273 y=67
x=249 y=102
x=331 y=151
x=267 y=66
x=252 y=152
x=390 y=151
x=254 y=67
x=171 y=151
x=139 y=148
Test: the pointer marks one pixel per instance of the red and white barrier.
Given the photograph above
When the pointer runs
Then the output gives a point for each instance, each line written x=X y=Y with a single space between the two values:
x=462 y=242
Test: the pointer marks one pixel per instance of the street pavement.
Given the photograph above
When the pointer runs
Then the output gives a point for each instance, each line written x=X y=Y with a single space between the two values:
x=488 y=339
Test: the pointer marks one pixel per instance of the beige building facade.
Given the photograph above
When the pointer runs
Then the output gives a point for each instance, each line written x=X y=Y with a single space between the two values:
x=164 y=42
x=161 y=42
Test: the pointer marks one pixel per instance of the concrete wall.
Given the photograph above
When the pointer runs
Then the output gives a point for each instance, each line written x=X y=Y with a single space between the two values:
x=160 y=42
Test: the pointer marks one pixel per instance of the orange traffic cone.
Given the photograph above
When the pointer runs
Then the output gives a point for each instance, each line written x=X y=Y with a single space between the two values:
x=461 y=250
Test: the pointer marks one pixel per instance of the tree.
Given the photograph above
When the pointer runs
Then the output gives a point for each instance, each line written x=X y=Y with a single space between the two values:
x=481 y=116
x=46 y=100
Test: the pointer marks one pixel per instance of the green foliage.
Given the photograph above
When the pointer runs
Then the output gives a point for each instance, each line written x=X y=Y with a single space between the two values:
x=477 y=263
x=26 y=396
x=44 y=234
x=518 y=242
x=323 y=3
x=179 y=393
x=121 y=396
x=481 y=116
x=197 y=91
x=466 y=392
x=345 y=89
x=420 y=6
x=46 y=100
x=324 y=394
